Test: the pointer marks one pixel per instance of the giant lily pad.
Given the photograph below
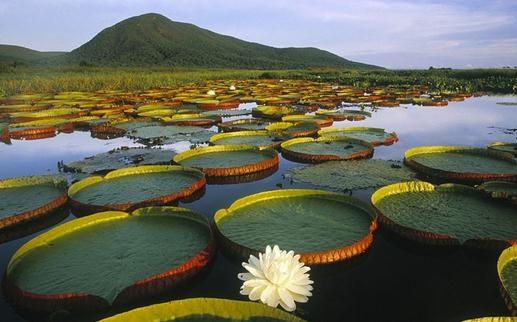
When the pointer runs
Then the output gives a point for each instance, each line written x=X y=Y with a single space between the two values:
x=228 y=160
x=199 y=119
x=448 y=214
x=205 y=309
x=504 y=147
x=129 y=188
x=158 y=134
x=294 y=129
x=26 y=198
x=342 y=115
x=322 y=227
x=120 y=158
x=500 y=189
x=353 y=175
x=275 y=111
x=243 y=125
x=507 y=269
x=462 y=164
x=373 y=135
x=72 y=265
x=325 y=149
x=320 y=120
x=261 y=139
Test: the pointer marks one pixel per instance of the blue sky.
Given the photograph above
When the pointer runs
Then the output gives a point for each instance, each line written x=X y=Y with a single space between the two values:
x=394 y=34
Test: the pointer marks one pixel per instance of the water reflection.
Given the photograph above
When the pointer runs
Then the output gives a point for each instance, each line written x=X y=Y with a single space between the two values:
x=393 y=282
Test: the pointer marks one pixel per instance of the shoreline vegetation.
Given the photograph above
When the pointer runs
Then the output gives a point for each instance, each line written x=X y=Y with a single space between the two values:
x=25 y=79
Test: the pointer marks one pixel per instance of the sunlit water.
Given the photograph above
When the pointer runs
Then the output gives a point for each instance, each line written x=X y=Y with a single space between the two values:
x=395 y=282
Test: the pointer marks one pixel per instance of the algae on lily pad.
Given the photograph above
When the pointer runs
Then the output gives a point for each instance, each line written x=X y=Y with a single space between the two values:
x=507 y=269
x=321 y=226
x=354 y=174
x=504 y=147
x=127 y=188
x=113 y=256
x=206 y=309
x=120 y=158
x=26 y=198
x=445 y=214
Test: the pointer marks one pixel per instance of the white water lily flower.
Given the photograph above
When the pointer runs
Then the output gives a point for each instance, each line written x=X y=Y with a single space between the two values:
x=276 y=277
x=232 y=88
x=211 y=92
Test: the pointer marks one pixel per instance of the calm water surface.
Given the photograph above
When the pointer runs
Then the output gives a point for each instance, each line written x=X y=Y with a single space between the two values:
x=396 y=281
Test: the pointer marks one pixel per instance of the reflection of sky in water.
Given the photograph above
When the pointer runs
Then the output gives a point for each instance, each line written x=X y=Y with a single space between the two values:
x=462 y=123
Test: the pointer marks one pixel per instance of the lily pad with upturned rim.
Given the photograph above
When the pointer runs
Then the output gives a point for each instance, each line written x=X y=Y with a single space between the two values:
x=206 y=309
x=328 y=148
x=199 y=119
x=323 y=227
x=228 y=160
x=161 y=134
x=500 y=189
x=298 y=129
x=72 y=266
x=462 y=164
x=375 y=136
x=130 y=188
x=261 y=139
x=342 y=115
x=504 y=147
x=449 y=214
x=507 y=270
x=243 y=125
x=25 y=198
x=275 y=111
x=320 y=120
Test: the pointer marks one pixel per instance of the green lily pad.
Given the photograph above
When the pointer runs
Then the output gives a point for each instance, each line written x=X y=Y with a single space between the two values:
x=375 y=136
x=206 y=309
x=306 y=221
x=326 y=148
x=507 y=269
x=171 y=134
x=341 y=114
x=500 y=189
x=294 y=129
x=261 y=139
x=124 y=188
x=457 y=212
x=504 y=147
x=472 y=165
x=24 y=198
x=353 y=175
x=228 y=113
x=243 y=125
x=120 y=158
x=79 y=256
x=228 y=160
x=275 y=111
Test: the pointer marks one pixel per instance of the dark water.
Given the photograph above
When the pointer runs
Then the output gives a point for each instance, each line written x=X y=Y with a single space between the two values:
x=396 y=281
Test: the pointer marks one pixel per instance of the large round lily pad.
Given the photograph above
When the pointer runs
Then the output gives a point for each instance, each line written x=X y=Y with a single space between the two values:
x=353 y=175
x=321 y=226
x=199 y=119
x=205 y=309
x=158 y=134
x=129 y=188
x=294 y=129
x=120 y=158
x=228 y=160
x=449 y=214
x=109 y=258
x=243 y=125
x=325 y=149
x=342 y=115
x=261 y=139
x=373 y=135
x=462 y=164
x=507 y=269
x=26 y=198
x=322 y=121
x=275 y=111
x=504 y=147
x=500 y=189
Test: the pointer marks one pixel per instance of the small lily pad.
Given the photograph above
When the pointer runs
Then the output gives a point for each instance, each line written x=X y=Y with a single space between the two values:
x=507 y=269
x=504 y=147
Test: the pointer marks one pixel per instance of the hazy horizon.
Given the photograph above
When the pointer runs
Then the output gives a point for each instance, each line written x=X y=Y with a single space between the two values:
x=392 y=34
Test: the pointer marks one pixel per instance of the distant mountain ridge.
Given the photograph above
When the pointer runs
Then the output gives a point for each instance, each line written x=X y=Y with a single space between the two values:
x=154 y=40
x=11 y=54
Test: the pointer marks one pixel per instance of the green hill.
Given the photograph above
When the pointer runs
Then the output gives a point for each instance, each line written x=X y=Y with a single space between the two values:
x=154 y=40
x=11 y=54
